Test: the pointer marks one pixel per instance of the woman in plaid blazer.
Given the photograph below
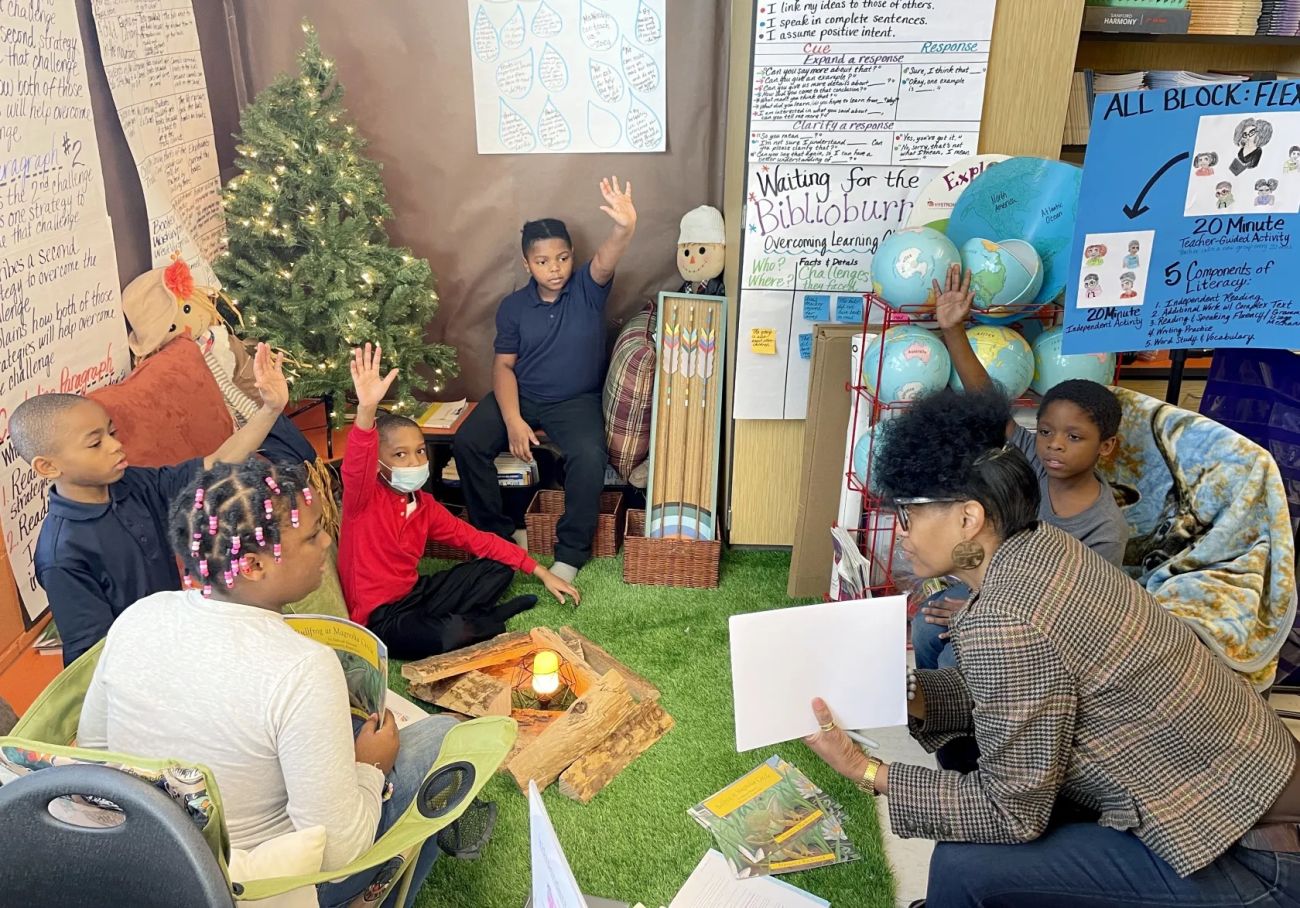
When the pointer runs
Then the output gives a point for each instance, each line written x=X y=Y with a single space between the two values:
x=1080 y=692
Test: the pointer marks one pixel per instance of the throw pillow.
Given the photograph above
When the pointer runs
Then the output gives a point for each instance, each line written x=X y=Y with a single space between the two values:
x=169 y=408
x=296 y=853
x=629 y=393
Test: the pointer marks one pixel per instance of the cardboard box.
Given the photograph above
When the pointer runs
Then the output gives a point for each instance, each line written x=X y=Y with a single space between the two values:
x=821 y=474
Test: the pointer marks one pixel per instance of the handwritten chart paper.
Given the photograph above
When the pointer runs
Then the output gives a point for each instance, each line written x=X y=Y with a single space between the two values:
x=810 y=234
x=151 y=56
x=564 y=76
x=61 y=326
x=869 y=81
x=1187 y=221
x=854 y=105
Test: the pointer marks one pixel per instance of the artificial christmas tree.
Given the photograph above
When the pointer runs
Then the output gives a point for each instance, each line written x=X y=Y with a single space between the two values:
x=308 y=262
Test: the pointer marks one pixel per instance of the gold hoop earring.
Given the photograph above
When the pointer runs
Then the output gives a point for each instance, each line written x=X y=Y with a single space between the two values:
x=967 y=555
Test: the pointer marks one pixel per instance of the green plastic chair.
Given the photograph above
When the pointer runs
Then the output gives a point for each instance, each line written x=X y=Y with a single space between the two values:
x=470 y=754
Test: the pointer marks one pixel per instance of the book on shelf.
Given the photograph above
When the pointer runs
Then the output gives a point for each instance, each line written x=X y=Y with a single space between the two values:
x=1086 y=85
x=511 y=472
x=1146 y=20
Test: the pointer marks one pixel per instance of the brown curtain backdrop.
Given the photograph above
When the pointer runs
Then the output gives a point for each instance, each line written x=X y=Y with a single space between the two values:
x=405 y=68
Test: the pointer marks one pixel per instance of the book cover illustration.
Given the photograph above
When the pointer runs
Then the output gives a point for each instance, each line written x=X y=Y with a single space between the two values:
x=775 y=820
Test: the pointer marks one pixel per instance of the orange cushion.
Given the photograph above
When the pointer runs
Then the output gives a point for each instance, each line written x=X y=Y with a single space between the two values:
x=169 y=408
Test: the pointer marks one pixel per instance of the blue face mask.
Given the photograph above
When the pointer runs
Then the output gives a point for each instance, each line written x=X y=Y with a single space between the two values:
x=408 y=479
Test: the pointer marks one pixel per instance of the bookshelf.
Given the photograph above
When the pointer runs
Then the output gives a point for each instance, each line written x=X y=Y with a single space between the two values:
x=1138 y=38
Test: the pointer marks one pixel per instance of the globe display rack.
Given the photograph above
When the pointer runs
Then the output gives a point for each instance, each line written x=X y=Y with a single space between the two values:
x=876 y=533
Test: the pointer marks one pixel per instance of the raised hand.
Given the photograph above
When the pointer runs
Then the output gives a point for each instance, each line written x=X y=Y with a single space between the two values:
x=618 y=202
x=953 y=300
x=371 y=388
x=268 y=376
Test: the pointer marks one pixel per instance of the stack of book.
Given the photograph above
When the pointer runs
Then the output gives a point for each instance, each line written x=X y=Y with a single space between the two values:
x=1084 y=90
x=1087 y=85
x=1156 y=19
x=511 y=472
x=1225 y=17
x=1279 y=17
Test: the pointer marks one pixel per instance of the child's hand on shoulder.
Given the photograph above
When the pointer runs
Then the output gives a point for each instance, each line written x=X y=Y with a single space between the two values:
x=557 y=587
x=371 y=388
x=268 y=376
x=618 y=202
x=953 y=300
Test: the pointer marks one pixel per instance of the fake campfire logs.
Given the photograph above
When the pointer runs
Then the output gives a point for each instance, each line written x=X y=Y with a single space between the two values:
x=612 y=717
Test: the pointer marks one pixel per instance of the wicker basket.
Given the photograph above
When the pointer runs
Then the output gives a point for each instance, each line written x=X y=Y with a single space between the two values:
x=668 y=562
x=441 y=550
x=544 y=514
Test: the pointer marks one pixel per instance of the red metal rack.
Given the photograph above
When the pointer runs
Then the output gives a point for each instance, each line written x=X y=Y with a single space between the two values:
x=876 y=533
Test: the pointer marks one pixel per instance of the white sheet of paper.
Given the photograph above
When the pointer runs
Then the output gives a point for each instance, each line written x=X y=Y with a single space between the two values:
x=404 y=711
x=713 y=885
x=553 y=882
x=851 y=654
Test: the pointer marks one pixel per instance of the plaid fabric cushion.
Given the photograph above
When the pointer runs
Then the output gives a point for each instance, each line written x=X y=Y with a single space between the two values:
x=629 y=393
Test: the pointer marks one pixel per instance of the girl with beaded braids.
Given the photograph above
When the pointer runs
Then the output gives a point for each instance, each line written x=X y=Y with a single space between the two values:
x=1115 y=758
x=212 y=674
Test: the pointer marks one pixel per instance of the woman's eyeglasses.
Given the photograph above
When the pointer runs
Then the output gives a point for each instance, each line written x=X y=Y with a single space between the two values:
x=902 y=504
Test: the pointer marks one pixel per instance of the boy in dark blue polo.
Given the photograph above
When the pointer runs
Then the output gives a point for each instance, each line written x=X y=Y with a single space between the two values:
x=104 y=543
x=548 y=372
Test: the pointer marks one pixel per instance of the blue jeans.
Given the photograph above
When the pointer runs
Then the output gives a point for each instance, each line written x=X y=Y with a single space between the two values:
x=1083 y=865
x=417 y=751
x=931 y=651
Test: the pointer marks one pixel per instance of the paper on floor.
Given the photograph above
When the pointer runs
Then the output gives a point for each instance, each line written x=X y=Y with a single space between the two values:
x=713 y=885
x=851 y=654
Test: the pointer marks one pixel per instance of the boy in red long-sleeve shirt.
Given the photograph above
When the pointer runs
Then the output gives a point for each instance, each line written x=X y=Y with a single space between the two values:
x=388 y=518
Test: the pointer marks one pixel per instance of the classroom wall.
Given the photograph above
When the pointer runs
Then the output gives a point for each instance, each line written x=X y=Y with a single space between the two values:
x=405 y=68
x=125 y=201
x=1025 y=98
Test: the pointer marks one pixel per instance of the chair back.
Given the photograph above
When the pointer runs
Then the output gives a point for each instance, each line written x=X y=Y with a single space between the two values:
x=154 y=857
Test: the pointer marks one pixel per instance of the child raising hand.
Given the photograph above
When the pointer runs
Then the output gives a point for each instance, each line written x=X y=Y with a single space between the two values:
x=548 y=373
x=387 y=520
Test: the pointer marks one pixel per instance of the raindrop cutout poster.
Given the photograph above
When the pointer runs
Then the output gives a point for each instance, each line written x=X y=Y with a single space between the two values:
x=558 y=76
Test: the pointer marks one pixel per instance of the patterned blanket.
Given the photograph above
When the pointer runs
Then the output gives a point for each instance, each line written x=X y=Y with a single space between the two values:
x=1211 y=536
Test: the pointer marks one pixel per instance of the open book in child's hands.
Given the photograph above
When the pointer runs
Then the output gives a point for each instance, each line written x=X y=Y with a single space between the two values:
x=363 y=656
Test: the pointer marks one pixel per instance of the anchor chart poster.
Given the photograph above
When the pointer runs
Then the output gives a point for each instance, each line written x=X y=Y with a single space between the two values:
x=568 y=76
x=1187 y=219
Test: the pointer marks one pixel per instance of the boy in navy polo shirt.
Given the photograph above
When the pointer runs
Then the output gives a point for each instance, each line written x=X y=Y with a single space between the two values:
x=548 y=372
x=104 y=543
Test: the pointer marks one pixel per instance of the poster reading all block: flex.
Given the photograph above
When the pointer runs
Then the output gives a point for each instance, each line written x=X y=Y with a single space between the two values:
x=1187 y=220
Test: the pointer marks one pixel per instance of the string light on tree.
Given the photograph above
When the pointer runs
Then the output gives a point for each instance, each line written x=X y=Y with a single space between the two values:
x=304 y=211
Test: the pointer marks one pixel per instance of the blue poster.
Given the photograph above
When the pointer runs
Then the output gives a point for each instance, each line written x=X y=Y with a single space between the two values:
x=1189 y=203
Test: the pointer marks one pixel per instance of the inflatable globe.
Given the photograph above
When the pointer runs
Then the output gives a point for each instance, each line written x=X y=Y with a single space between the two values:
x=1031 y=199
x=907 y=264
x=863 y=454
x=1006 y=357
x=1051 y=366
x=915 y=363
x=1003 y=276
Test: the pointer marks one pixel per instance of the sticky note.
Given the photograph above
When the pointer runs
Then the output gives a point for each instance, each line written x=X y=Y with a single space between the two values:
x=805 y=346
x=763 y=340
x=848 y=309
x=817 y=307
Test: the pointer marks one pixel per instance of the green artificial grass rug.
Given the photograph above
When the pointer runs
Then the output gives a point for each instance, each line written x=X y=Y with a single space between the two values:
x=634 y=841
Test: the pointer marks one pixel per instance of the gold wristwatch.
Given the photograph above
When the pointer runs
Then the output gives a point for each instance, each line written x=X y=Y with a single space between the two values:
x=867 y=783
